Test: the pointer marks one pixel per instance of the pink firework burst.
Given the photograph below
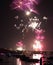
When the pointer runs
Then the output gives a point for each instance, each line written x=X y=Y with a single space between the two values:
x=25 y=5
x=20 y=43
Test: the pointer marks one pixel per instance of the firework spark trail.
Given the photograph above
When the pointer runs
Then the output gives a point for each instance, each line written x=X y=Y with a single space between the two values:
x=25 y=5
x=33 y=24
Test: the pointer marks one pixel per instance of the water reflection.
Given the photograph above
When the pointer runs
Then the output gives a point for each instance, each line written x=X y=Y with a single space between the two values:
x=19 y=61
x=36 y=64
x=35 y=56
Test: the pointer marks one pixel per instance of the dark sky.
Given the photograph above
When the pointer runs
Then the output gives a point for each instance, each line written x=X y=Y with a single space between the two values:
x=9 y=35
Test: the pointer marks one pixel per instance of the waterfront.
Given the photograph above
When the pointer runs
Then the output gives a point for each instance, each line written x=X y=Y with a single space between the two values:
x=14 y=61
x=15 y=57
x=17 y=61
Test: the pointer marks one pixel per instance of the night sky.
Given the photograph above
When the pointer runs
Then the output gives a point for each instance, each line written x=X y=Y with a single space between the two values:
x=9 y=34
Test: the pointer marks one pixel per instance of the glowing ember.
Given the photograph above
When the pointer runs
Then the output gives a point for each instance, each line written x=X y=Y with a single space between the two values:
x=45 y=17
x=19 y=48
x=19 y=43
x=39 y=31
x=33 y=25
x=28 y=13
x=37 y=46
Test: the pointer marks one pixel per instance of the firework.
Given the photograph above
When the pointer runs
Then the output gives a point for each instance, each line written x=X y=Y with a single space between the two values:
x=20 y=43
x=33 y=23
x=37 y=45
x=25 y=5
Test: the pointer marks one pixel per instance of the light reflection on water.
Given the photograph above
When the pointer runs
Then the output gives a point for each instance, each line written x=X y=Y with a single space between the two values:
x=19 y=61
x=14 y=61
x=36 y=64
x=35 y=56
